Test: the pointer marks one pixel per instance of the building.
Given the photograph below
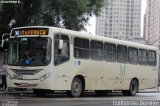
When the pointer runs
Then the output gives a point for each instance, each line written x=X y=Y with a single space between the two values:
x=152 y=23
x=152 y=26
x=137 y=39
x=120 y=19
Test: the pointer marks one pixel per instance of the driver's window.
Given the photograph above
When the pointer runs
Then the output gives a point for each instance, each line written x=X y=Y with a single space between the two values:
x=61 y=55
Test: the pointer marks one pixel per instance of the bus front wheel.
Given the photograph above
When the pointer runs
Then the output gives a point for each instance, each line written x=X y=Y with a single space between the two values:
x=76 y=88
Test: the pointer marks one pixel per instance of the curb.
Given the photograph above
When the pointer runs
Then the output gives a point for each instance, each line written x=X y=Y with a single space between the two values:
x=149 y=91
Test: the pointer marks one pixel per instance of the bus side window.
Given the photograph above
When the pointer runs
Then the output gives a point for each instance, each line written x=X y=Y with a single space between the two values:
x=133 y=55
x=152 y=58
x=81 y=48
x=142 y=57
x=122 y=54
x=96 y=50
x=110 y=52
x=61 y=55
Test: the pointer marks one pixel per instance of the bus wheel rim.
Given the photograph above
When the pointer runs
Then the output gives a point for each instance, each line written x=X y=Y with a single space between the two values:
x=76 y=87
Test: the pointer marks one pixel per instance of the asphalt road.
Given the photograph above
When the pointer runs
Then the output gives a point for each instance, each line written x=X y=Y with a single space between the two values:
x=113 y=99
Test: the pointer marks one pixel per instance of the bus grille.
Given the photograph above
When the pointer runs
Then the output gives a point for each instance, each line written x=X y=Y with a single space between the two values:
x=26 y=72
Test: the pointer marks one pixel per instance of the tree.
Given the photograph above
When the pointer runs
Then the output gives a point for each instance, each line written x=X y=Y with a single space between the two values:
x=70 y=14
x=0 y=7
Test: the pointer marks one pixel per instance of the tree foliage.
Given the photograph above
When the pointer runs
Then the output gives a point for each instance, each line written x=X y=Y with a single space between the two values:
x=0 y=7
x=69 y=14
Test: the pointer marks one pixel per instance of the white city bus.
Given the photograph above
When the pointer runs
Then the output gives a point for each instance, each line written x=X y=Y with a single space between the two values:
x=55 y=59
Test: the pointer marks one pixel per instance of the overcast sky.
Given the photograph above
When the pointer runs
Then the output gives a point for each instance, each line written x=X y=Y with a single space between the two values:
x=92 y=22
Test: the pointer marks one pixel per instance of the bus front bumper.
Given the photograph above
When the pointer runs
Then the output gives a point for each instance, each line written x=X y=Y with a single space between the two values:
x=34 y=84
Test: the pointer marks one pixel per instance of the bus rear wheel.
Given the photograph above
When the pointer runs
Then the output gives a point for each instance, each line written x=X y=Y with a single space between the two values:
x=76 y=88
x=133 y=89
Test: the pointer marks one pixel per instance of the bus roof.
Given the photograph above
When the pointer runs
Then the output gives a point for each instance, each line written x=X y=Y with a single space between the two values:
x=94 y=37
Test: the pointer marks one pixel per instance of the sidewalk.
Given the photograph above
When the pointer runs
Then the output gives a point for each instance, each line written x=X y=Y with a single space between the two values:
x=154 y=90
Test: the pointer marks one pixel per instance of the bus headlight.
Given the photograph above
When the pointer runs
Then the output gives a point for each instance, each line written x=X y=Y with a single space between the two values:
x=44 y=77
x=9 y=76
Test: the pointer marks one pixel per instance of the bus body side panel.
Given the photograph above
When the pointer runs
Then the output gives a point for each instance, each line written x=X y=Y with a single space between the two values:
x=67 y=71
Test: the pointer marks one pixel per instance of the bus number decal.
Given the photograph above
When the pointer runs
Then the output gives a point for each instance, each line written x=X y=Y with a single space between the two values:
x=122 y=70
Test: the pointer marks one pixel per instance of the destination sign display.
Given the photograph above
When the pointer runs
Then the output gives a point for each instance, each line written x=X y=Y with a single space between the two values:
x=30 y=31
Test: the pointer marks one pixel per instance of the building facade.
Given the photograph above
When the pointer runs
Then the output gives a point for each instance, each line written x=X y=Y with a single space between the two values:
x=137 y=39
x=152 y=23
x=120 y=19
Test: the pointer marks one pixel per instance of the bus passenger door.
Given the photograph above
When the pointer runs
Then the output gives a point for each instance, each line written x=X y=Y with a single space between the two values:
x=62 y=63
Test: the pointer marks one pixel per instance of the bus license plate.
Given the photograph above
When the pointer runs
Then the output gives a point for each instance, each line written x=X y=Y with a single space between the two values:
x=24 y=84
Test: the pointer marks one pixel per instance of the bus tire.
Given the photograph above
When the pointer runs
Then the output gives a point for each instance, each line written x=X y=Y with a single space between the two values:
x=133 y=89
x=39 y=93
x=76 y=88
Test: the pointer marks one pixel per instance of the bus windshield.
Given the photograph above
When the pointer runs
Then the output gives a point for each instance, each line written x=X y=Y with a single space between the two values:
x=29 y=51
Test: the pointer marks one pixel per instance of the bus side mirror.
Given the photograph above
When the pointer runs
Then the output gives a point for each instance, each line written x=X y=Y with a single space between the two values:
x=60 y=44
